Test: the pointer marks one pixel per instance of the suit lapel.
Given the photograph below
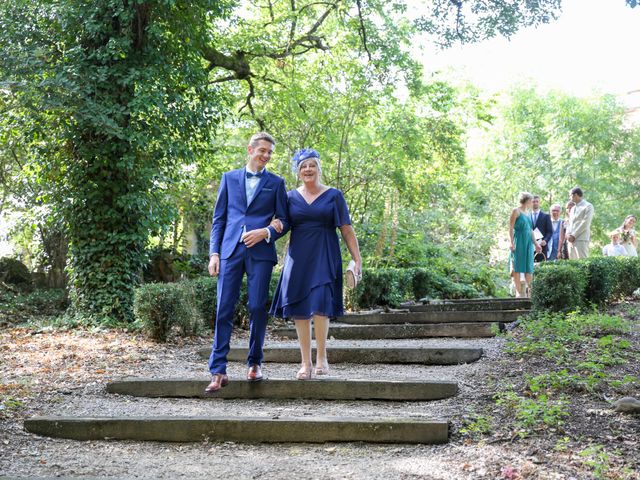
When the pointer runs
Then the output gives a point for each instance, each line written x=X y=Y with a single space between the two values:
x=261 y=183
x=242 y=189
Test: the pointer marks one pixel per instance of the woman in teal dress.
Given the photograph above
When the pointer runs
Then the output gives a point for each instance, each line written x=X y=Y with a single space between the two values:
x=523 y=244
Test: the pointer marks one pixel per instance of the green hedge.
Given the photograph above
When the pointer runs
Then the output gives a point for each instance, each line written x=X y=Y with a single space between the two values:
x=392 y=286
x=158 y=307
x=191 y=304
x=564 y=286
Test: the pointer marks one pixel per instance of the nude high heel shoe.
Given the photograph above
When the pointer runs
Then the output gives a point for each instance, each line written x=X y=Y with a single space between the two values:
x=304 y=373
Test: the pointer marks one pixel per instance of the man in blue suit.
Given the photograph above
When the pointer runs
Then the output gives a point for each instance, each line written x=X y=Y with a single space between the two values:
x=243 y=242
x=541 y=221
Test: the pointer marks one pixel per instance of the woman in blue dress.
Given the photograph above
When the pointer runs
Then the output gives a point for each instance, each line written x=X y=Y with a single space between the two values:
x=310 y=286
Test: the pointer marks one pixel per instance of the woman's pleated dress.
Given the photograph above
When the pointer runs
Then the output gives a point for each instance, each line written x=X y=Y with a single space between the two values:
x=311 y=279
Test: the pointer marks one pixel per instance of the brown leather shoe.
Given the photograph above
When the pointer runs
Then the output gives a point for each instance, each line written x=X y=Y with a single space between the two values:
x=218 y=380
x=254 y=374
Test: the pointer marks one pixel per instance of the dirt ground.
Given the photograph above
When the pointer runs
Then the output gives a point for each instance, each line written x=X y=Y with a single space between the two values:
x=53 y=372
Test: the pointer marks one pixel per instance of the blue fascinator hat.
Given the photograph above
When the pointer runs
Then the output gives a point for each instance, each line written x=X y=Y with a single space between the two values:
x=302 y=155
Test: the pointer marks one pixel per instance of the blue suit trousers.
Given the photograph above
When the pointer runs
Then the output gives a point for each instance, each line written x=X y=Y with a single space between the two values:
x=232 y=270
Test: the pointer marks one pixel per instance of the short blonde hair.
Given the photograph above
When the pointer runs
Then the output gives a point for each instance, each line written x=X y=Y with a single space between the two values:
x=524 y=197
x=256 y=137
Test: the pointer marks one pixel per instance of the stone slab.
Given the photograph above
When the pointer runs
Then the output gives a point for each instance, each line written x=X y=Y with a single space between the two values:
x=403 y=331
x=325 y=389
x=242 y=429
x=365 y=355
x=473 y=304
x=418 y=317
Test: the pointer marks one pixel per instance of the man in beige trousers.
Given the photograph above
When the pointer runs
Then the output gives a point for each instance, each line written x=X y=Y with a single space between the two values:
x=579 y=228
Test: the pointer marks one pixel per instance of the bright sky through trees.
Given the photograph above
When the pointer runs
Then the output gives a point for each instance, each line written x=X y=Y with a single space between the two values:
x=590 y=47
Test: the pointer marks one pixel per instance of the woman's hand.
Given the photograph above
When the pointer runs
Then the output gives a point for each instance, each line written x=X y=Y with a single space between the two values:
x=538 y=248
x=358 y=269
x=512 y=247
x=276 y=224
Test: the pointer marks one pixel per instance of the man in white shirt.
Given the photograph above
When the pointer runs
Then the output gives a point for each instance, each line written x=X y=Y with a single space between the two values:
x=579 y=228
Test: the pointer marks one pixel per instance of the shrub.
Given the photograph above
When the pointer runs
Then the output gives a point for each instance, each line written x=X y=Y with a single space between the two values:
x=159 y=306
x=16 y=273
x=602 y=275
x=42 y=302
x=628 y=276
x=392 y=286
x=205 y=298
x=189 y=305
x=565 y=286
x=559 y=287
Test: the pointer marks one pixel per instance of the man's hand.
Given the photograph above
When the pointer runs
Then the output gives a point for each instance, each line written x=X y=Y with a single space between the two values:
x=254 y=237
x=214 y=265
x=571 y=238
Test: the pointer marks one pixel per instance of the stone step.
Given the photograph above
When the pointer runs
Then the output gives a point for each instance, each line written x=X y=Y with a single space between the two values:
x=417 y=317
x=242 y=429
x=365 y=355
x=473 y=305
x=325 y=389
x=403 y=331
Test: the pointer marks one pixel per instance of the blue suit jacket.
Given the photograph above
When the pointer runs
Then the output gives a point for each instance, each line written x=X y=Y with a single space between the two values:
x=232 y=213
x=545 y=226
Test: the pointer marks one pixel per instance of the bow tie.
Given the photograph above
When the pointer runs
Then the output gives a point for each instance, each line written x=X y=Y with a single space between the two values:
x=251 y=175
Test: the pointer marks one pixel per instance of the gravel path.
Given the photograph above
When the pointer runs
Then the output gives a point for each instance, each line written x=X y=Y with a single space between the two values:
x=65 y=374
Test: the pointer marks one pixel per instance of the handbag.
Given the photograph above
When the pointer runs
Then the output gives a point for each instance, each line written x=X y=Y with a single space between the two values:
x=351 y=279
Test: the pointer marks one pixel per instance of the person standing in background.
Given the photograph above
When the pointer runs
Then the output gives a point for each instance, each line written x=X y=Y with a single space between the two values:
x=629 y=239
x=523 y=245
x=579 y=228
x=541 y=221
x=564 y=245
x=553 y=248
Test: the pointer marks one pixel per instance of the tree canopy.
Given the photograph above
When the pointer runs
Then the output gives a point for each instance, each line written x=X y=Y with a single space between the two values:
x=120 y=115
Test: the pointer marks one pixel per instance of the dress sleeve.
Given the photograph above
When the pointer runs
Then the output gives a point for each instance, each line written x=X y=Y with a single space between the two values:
x=340 y=211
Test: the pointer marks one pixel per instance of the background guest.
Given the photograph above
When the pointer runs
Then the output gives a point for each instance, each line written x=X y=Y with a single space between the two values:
x=523 y=243
x=553 y=248
x=614 y=249
x=564 y=246
x=541 y=221
x=628 y=236
x=579 y=228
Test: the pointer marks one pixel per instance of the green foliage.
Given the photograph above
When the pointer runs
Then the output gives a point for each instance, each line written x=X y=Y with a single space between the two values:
x=575 y=352
x=392 y=286
x=205 y=298
x=465 y=22
x=566 y=286
x=602 y=278
x=9 y=406
x=476 y=425
x=583 y=141
x=597 y=458
x=16 y=273
x=558 y=287
x=583 y=347
x=106 y=104
x=160 y=306
x=17 y=308
x=534 y=413
x=189 y=304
